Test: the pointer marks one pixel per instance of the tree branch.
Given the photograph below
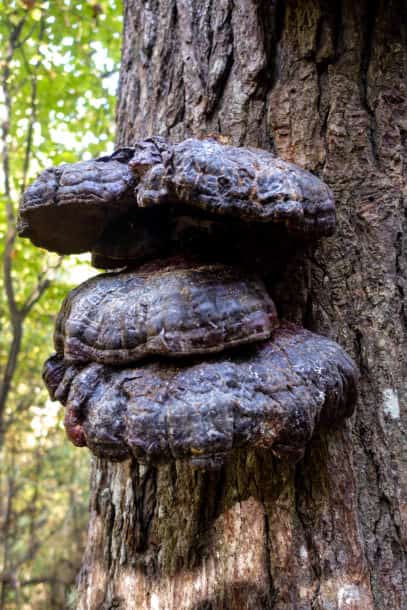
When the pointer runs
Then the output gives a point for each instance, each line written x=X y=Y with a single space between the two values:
x=42 y=285
x=17 y=316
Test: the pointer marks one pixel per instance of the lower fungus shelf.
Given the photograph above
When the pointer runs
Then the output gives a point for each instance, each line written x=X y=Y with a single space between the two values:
x=271 y=395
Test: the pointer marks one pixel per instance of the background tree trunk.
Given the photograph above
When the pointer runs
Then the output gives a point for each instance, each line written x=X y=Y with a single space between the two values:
x=323 y=84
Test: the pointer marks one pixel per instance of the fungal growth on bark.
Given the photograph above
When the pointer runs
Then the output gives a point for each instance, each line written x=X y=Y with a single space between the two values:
x=170 y=308
x=271 y=395
x=180 y=354
x=68 y=208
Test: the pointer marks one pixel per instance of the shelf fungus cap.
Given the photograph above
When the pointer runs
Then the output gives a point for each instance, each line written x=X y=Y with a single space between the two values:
x=246 y=183
x=167 y=308
x=66 y=208
x=270 y=395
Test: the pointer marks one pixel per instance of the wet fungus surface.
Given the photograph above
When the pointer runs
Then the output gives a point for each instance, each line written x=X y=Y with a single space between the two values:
x=178 y=308
x=180 y=354
x=271 y=395
x=68 y=208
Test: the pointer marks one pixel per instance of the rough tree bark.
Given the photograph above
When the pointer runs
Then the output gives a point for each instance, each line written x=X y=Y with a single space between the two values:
x=322 y=84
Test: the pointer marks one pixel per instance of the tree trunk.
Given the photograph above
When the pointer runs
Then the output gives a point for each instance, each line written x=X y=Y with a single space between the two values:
x=322 y=84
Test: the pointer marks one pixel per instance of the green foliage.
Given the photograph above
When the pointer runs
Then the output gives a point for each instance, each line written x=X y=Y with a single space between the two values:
x=58 y=75
x=71 y=50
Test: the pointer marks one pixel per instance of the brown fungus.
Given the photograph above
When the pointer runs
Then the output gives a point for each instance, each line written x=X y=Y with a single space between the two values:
x=144 y=363
x=76 y=207
x=145 y=234
x=67 y=208
x=171 y=308
x=247 y=183
x=271 y=395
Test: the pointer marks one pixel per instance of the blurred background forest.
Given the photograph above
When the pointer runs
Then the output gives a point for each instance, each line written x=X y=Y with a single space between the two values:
x=59 y=64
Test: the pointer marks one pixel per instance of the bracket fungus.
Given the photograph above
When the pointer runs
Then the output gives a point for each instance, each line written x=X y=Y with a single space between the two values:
x=180 y=354
x=271 y=395
x=175 y=309
x=68 y=208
